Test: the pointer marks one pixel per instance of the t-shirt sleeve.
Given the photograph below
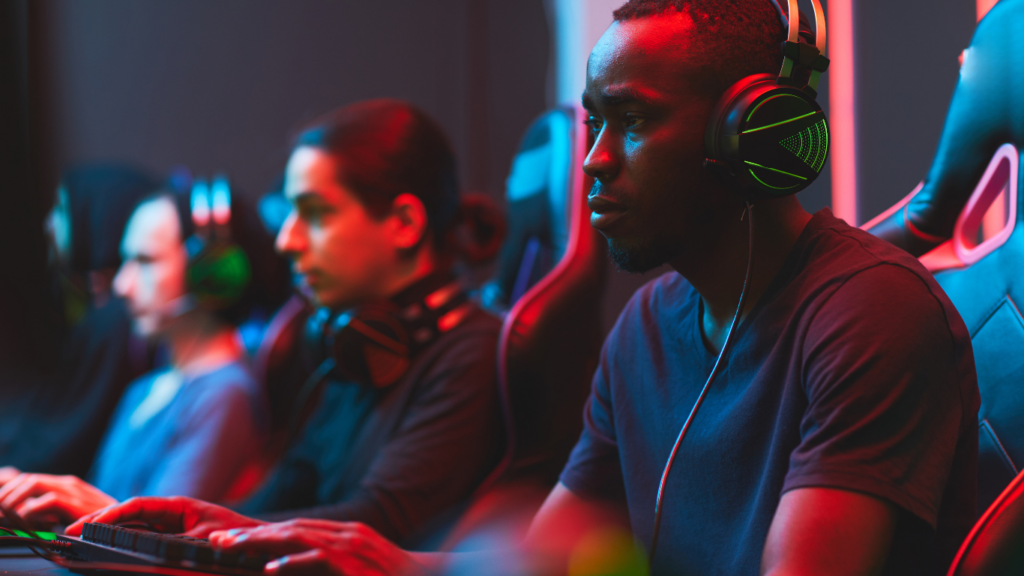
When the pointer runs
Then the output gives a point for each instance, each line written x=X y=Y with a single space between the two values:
x=450 y=438
x=218 y=435
x=594 y=471
x=883 y=390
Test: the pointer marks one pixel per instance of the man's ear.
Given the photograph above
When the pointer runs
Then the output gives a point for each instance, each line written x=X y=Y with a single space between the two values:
x=408 y=220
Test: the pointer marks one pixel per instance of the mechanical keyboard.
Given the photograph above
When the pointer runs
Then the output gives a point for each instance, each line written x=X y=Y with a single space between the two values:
x=122 y=545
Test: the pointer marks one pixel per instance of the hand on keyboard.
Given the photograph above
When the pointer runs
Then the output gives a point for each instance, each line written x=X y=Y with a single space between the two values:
x=55 y=499
x=321 y=546
x=176 y=515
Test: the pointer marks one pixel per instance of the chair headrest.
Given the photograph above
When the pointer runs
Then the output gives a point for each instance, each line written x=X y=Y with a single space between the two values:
x=538 y=217
x=986 y=112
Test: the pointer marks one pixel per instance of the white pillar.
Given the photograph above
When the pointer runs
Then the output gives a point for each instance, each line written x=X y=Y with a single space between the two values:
x=577 y=26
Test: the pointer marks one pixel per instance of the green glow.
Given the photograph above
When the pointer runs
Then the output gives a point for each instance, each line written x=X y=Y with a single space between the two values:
x=809 y=145
x=773 y=170
x=778 y=123
x=20 y=534
x=765 y=101
x=763 y=183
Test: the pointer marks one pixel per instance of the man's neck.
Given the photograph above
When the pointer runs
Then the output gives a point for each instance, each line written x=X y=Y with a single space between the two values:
x=718 y=275
x=424 y=263
x=201 y=346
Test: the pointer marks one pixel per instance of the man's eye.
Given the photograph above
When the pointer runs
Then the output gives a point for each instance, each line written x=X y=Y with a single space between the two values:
x=311 y=213
x=635 y=121
x=594 y=124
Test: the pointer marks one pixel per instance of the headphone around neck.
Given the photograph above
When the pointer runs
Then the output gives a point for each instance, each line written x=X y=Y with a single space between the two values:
x=767 y=137
x=374 y=344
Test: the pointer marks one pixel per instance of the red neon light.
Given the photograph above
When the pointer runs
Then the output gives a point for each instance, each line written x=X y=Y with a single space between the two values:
x=842 y=109
x=984 y=6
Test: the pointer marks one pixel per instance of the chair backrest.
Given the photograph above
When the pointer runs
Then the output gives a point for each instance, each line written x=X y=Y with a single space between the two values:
x=279 y=366
x=551 y=336
x=995 y=546
x=278 y=363
x=977 y=160
x=984 y=114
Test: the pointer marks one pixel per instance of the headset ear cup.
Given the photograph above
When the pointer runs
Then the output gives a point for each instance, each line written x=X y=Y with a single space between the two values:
x=766 y=140
x=218 y=275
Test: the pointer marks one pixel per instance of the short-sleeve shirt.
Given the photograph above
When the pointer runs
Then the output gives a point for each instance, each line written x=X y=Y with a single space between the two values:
x=853 y=371
x=193 y=442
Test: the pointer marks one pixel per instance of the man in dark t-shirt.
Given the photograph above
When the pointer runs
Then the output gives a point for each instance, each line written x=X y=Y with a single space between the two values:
x=839 y=437
x=853 y=371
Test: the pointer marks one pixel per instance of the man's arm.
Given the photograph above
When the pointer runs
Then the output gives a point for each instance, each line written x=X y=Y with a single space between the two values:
x=826 y=531
x=323 y=546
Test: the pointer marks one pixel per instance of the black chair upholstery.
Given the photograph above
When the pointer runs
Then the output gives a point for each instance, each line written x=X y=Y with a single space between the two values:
x=279 y=366
x=551 y=337
x=995 y=547
x=976 y=160
x=552 y=276
x=985 y=113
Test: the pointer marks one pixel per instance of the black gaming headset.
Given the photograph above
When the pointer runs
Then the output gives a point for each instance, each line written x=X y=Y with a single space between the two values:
x=767 y=137
x=218 y=270
x=374 y=344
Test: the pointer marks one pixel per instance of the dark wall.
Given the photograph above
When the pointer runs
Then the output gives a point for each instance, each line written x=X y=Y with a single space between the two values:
x=907 y=68
x=223 y=85
x=27 y=332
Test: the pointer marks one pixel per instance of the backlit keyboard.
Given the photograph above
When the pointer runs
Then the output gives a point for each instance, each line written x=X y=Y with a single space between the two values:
x=106 y=543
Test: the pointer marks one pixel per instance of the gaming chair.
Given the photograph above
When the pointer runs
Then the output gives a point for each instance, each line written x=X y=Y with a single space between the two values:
x=551 y=279
x=984 y=114
x=551 y=336
x=994 y=547
x=977 y=158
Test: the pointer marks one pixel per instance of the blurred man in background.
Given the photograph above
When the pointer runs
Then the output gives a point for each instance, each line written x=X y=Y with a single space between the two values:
x=190 y=428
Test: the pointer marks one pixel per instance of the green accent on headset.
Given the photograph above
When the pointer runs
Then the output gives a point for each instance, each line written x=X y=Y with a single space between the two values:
x=221 y=275
x=778 y=123
x=810 y=145
x=767 y=100
x=774 y=170
x=766 y=184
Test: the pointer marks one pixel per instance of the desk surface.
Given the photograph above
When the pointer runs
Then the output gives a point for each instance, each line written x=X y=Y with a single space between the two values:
x=21 y=561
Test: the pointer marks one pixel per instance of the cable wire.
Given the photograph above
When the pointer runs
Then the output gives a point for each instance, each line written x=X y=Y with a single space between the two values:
x=658 y=503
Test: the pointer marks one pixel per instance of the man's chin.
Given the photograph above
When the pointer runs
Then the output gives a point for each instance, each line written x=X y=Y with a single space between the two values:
x=638 y=257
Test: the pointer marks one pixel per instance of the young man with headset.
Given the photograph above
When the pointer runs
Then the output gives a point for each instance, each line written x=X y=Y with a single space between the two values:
x=190 y=427
x=798 y=397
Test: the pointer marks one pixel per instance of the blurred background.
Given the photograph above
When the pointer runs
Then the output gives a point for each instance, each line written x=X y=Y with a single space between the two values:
x=223 y=86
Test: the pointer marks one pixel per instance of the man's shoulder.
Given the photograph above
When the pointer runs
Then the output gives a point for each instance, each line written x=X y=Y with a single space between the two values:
x=232 y=382
x=836 y=248
x=871 y=283
x=474 y=337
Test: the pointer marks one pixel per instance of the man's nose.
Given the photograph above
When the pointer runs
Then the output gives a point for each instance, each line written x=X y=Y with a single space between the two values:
x=602 y=162
x=124 y=279
x=291 y=238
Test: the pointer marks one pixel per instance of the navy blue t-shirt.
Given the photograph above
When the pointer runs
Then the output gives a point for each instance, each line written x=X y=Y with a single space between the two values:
x=853 y=371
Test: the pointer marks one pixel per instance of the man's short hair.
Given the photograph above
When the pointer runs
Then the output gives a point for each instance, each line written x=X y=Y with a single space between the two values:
x=732 y=39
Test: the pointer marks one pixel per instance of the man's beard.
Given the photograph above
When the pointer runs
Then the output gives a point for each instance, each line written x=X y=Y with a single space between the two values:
x=640 y=256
